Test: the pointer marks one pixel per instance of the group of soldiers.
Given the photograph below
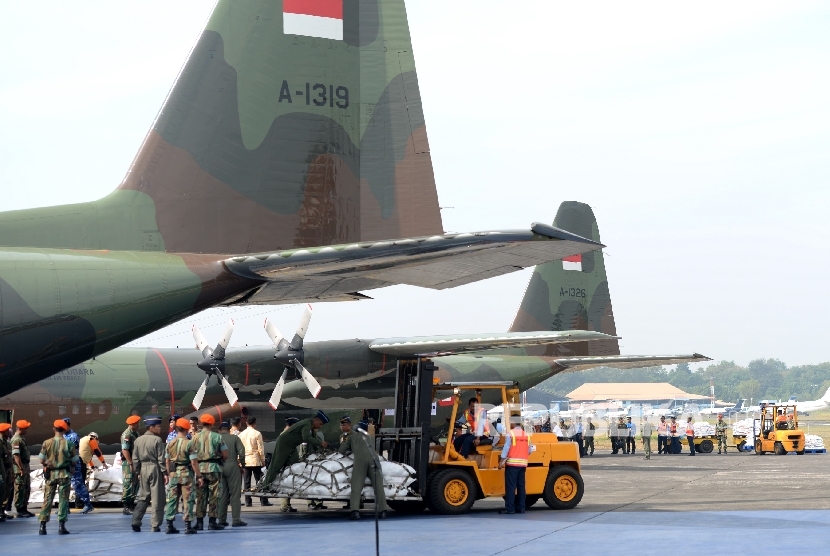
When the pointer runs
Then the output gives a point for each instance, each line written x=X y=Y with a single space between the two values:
x=197 y=467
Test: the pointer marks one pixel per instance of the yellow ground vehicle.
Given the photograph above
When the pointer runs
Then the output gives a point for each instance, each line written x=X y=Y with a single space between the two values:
x=454 y=483
x=779 y=432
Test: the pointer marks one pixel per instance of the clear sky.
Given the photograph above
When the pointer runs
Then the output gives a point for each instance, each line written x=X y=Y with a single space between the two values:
x=698 y=132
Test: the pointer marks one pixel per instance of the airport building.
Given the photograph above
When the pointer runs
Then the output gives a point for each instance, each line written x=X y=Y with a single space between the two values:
x=632 y=393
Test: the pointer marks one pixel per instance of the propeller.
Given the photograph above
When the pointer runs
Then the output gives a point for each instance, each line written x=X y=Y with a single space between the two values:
x=291 y=355
x=213 y=363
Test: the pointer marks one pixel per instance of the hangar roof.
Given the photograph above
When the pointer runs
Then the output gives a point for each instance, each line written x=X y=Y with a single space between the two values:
x=630 y=391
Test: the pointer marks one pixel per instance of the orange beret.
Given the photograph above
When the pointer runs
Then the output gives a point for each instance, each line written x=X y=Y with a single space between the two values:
x=59 y=424
x=207 y=419
x=4 y=427
x=133 y=419
x=23 y=424
x=182 y=423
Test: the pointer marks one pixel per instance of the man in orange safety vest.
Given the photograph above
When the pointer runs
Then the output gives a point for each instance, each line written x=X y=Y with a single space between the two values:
x=513 y=460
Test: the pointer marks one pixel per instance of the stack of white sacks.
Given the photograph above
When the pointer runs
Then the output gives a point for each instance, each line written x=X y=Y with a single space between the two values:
x=105 y=485
x=329 y=476
x=813 y=442
x=702 y=428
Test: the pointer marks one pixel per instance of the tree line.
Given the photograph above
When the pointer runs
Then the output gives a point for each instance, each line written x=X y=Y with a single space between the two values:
x=761 y=379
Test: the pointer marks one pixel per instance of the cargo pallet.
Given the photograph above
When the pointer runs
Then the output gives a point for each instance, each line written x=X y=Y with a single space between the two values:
x=813 y=451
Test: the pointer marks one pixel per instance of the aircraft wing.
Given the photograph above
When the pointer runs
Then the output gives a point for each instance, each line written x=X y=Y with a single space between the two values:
x=434 y=346
x=626 y=361
x=337 y=272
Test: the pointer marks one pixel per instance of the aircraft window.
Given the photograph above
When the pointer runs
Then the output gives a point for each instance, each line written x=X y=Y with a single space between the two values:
x=40 y=413
x=75 y=410
x=102 y=409
x=115 y=410
x=88 y=409
x=61 y=410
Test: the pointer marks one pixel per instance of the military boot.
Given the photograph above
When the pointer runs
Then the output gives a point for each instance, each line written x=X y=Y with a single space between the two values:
x=188 y=530
x=62 y=529
x=200 y=523
x=170 y=529
x=88 y=508
x=354 y=515
x=213 y=526
x=42 y=530
x=127 y=510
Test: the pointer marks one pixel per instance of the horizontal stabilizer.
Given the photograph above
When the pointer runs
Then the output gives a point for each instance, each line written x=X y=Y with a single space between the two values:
x=436 y=262
x=626 y=361
x=433 y=346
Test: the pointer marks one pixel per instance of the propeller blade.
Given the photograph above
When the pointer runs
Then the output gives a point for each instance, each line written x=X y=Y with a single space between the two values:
x=200 y=395
x=219 y=352
x=276 y=396
x=275 y=335
x=229 y=392
x=299 y=336
x=310 y=382
x=201 y=343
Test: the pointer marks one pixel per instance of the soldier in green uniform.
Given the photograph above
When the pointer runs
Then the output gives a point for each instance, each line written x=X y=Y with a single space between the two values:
x=149 y=465
x=5 y=468
x=130 y=484
x=211 y=453
x=285 y=503
x=290 y=440
x=59 y=457
x=22 y=480
x=182 y=467
x=366 y=462
x=345 y=431
x=231 y=478
x=720 y=432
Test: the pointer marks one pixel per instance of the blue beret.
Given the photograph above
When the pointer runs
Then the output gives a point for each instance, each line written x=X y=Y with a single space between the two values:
x=67 y=420
x=175 y=416
x=152 y=420
x=291 y=421
x=322 y=416
x=345 y=419
x=225 y=425
x=363 y=425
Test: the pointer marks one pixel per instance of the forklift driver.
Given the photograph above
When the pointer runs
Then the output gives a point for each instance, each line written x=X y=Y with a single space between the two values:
x=465 y=442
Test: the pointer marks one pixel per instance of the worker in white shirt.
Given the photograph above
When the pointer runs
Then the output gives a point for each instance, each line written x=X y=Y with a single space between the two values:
x=557 y=430
x=662 y=436
x=630 y=441
x=578 y=436
x=647 y=431
x=690 y=435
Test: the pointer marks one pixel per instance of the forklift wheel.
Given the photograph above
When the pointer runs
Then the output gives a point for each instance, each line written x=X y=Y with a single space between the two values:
x=563 y=488
x=531 y=499
x=451 y=492
x=779 y=449
x=407 y=506
x=801 y=453
x=758 y=448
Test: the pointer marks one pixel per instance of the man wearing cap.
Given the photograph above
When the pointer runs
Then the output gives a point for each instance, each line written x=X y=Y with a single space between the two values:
x=88 y=448
x=22 y=480
x=130 y=481
x=211 y=453
x=172 y=422
x=5 y=468
x=287 y=443
x=182 y=469
x=285 y=503
x=345 y=431
x=720 y=432
x=59 y=458
x=78 y=480
x=231 y=478
x=149 y=464
x=251 y=440
x=366 y=462
x=514 y=457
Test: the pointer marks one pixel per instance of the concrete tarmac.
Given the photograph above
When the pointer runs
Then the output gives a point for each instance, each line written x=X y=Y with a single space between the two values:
x=677 y=504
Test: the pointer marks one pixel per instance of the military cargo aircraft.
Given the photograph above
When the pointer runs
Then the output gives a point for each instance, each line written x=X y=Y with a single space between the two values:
x=291 y=148
x=565 y=323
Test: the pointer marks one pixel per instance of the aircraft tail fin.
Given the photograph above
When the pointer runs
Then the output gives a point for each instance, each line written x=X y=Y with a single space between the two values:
x=571 y=294
x=826 y=396
x=291 y=124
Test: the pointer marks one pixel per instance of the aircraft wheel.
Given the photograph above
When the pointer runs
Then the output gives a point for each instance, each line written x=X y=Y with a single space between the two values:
x=407 y=506
x=706 y=447
x=563 y=488
x=779 y=449
x=452 y=492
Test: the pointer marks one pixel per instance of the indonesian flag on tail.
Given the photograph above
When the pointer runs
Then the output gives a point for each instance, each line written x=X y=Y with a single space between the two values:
x=572 y=263
x=313 y=18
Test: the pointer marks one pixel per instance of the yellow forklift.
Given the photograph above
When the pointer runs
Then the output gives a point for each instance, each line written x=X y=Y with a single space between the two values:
x=779 y=432
x=450 y=484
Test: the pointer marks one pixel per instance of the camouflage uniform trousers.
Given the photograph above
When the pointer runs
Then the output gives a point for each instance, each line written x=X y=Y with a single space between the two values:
x=130 y=484
x=722 y=442
x=50 y=488
x=207 y=496
x=22 y=490
x=78 y=483
x=7 y=502
x=180 y=486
